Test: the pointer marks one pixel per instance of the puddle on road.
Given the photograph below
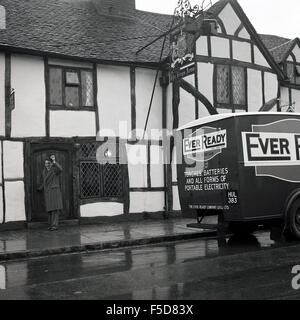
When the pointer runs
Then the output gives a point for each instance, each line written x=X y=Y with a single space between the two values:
x=61 y=268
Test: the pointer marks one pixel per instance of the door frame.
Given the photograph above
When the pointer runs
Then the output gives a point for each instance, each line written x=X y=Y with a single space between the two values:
x=29 y=149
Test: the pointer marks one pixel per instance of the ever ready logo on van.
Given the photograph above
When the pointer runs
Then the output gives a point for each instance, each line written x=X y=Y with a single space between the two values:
x=204 y=144
x=269 y=148
x=274 y=149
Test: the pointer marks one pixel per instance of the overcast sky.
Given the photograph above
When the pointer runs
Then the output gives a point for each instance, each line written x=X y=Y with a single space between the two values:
x=281 y=18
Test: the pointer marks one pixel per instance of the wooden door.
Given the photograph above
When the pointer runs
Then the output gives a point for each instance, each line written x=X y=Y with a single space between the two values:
x=63 y=156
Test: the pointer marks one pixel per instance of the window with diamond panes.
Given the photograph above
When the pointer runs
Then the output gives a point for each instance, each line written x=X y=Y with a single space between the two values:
x=71 y=89
x=290 y=70
x=98 y=181
x=238 y=86
x=223 y=84
x=88 y=151
x=112 y=181
x=293 y=72
x=90 y=180
x=231 y=87
x=87 y=88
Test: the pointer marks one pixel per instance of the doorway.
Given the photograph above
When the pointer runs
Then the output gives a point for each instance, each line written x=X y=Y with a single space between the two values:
x=63 y=154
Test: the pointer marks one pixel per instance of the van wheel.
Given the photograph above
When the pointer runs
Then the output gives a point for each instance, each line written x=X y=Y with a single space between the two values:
x=293 y=220
x=242 y=228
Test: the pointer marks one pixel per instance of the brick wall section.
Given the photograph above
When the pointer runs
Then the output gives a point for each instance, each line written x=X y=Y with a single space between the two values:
x=115 y=7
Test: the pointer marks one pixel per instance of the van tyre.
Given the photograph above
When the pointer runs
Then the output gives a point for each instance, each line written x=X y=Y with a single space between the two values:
x=293 y=221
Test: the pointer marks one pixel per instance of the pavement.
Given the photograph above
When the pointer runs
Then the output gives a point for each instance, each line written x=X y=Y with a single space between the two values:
x=25 y=244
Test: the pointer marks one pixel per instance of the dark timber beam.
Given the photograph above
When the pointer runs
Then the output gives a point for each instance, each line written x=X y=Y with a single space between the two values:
x=193 y=91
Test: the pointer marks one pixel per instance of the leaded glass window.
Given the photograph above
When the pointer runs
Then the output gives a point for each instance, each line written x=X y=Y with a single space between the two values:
x=231 y=87
x=98 y=181
x=293 y=72
x=223 y=84
x=55 y=86
x=72 y=97
x=71 y=89
x=112 y=181
x=290 y=70
x=90 y=180
x=72 y=78
x=238 y=86
x=87 y=88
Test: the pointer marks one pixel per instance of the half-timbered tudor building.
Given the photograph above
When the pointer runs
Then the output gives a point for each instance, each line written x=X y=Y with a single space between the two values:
x=71 y=70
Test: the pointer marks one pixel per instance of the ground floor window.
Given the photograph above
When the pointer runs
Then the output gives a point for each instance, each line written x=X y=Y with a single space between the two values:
x=99 y=181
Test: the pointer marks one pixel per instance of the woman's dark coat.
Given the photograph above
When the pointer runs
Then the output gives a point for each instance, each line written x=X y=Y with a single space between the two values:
x=51 y=187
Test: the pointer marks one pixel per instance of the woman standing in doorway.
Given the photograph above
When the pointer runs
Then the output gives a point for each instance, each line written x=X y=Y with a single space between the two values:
x=52 y=191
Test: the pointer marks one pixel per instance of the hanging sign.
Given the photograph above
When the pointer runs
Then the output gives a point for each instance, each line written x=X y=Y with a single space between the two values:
x=182 y=56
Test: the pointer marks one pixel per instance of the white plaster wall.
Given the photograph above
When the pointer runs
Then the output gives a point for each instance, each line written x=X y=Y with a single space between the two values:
x=242 y=51
x=230 y=19
x=28 y=80
x=201 y=46
x=255 y=98
x=176 y=201
x=223 y=111
x=1 y=206
x=144 y=86
x=244 y=34
x=104 y=209
x=114 y=100
x=15 y=201
x=1 y=178
x=174 y=165
x=137 y=165
x=205 y=80
x=2 y=94
x=284 y=99
x=157 y=167
x=186 y=110
x=296 y=99
x=271 y=86
x=13 y=160
x=147 y=202
x=296 y=52
x=259 y=58
x=203 y=112
x=72 y=124
x=220 y=47
x=205 y=85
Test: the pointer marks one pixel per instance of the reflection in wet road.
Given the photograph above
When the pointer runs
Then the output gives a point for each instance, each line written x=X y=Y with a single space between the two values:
x=249 y=268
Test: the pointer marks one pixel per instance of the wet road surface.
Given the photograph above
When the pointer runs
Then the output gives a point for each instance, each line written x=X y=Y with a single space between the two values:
x=251 y=268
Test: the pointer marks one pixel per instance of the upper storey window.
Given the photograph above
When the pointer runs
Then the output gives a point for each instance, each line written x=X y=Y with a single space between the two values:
x=71 y=88
x=2 y=18
x=230 y=87
x=293 y=72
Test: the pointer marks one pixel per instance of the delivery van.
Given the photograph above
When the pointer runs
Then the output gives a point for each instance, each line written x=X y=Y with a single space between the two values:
x=244 y=167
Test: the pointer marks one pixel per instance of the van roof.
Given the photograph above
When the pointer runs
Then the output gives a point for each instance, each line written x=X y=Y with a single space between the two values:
x=219 y=117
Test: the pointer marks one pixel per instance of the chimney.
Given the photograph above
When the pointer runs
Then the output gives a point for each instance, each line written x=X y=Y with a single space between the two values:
x=121 y=8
